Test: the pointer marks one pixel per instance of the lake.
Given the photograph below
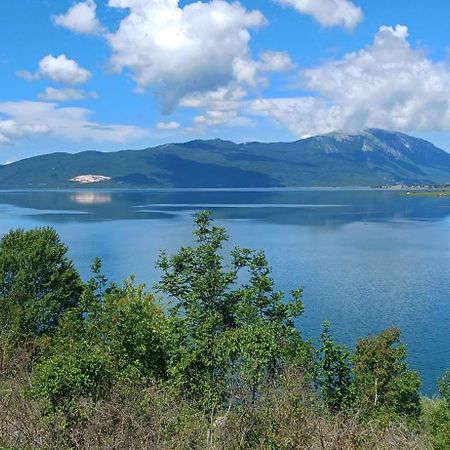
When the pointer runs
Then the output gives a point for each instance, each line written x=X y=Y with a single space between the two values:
x=367 y=259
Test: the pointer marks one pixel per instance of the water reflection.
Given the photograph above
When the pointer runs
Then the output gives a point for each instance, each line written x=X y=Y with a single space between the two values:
x=293 y=207
x=367 y=259
x=90 y=198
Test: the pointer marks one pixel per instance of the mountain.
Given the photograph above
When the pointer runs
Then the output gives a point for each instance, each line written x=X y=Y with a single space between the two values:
x=371 y=157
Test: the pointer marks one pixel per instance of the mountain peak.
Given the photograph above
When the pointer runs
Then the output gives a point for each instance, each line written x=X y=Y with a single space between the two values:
x=343 y=158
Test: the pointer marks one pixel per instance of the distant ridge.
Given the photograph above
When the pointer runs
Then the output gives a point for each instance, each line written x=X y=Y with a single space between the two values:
x=368 y=158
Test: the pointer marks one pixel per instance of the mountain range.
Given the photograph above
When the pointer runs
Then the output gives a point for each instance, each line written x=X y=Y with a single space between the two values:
x=368 y=158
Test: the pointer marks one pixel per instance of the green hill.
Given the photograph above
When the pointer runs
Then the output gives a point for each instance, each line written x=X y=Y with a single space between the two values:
x=372 y=157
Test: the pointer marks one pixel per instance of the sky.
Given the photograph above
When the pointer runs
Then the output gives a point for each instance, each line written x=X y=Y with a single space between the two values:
x=115 y=74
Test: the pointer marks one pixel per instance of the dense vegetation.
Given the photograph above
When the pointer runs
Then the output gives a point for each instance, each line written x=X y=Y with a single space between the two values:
x=372 y=157
x=210 y=359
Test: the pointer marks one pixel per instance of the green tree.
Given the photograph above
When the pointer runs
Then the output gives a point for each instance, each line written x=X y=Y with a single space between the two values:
x=38 y=283
x=134 y=328
x=334 y=372
x=383 y=383
x=119 y=338
x=444 y=387
x=230 y=328
x=436 y=415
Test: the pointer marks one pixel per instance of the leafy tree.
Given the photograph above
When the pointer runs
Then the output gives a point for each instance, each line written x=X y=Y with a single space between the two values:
x=436 y=415
x=334 y=371
x=230 y=327
x=38 y=283
x=117 y=334
x=444 y=387
x=134 y=328
x=383 y=383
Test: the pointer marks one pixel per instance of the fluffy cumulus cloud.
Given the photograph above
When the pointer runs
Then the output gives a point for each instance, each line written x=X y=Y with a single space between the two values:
x=25 y=119
x=65 y=94
x=328 y=12
x=80 y=18
x=197 y=54
x=182 y=51
x=388 y=84
x=59 y=69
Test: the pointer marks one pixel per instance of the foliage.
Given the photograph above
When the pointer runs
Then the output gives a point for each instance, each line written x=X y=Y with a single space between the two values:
x=38 y=283
x=334 y=372
x=444 y=387
x=62 y=378
x=383 y=384
x=229 y=325
x=284 y=416
x=221 y=365
x=134 y=328
x=436 y=417
x=120 y=337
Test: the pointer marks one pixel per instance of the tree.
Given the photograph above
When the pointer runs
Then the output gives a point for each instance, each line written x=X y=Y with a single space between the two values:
x=38 y=283
x=134 y=328
x=334 y=372
x=383 y=383
x=230 y=328
x=115 y=336
x=436 y=415
x=444 y=387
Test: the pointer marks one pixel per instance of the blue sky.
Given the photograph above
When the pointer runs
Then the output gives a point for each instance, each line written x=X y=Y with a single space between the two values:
x=113 y=74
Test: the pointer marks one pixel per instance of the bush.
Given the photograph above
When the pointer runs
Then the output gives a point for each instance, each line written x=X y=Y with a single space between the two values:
x=436 y=417
x=60 y=380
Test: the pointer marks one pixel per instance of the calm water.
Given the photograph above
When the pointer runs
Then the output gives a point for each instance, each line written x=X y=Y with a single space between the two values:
x=367 y=259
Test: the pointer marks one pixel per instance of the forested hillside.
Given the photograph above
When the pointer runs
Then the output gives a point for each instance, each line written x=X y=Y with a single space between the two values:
x=373 y=157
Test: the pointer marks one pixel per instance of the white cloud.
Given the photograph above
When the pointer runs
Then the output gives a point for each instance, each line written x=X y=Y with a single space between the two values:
x=219 y=106
x=65 y=94
x=271 y=61
x=63 y=70
x=60 y=69
x=26 y=75
x=80 y=18
x=387 y=85
x=11 y=130
x=251 y=72
x=22 y=119
x=183 y=54
x=168 y=126
x=328 y=12
x=178 y=52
